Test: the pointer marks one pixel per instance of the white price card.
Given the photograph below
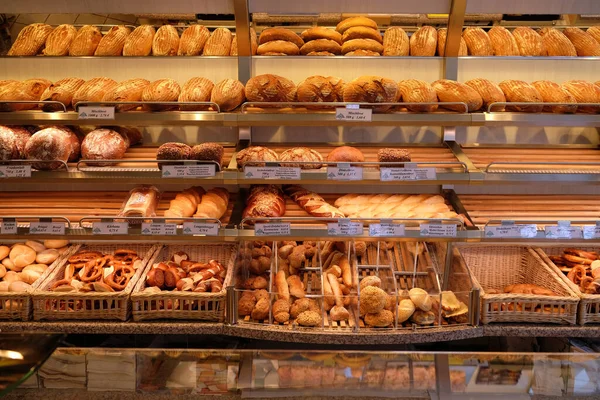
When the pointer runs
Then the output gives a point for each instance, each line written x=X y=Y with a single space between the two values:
x=511 y=230
x=438 y=230
x=353 y=112
x=344 y=228
x=8 y=227
x=103 y=112
x=110 y=228
x=47 y=228
x=387 y=229
x=592 y=231
x=201 y=228
x=272 y=229
x=344 y=172
x=189 y=171
x=407 y=174
x=287 y=173
x=158 y=228
x=15 y=171
x=563 y=230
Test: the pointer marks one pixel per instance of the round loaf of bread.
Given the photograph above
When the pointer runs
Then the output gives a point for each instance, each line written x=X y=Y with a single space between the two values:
x=62 y=91
x=372 y=89
x=362 y=44
x=228 y=94
x=273 y=34
x=348 y=23
x=112 y=43
x=320 y=54
x=208 y=152
x=321 y=89
x=490 y=93
x=362 y=32
x=86 y=41
x=93 y=90
x=319 y=32
x=417 y=91
x=129 y=90
x=49 y=144
x=362 y=53
x=139 y=42
x=253 y=156
x=8 y=144
x=395 y=42
x=301 y=155
x=270 y=88
x=103 y=144
x=173 y=151
x=346 y=154
x=423 y=43
x=554 y=93
x=278 y=46
x=196 y=90
x=74 y=141
x=163 y=90
x=59 y=40
x=192 y=40
x=521 y=92
x=166 y=41
x=451 y=92
x=317 y=45
x=132 y=133
x=584 y=92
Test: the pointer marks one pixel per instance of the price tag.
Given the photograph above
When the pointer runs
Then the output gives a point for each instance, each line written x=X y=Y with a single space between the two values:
x=563 y=230
x=110 y=228
x=272 y=229
x=287 y=173
x=47 y=228
x=344 y=228
x=592 y=232
x=189 y=171
x=15 y=171
x=353 y=112
x=344 y=172
x=156 y=228
x=387 y=229
x=201 y=228
x=508 y=229
x=8 y=227
x=96 y=112
x=438 y=230
x=407 y=174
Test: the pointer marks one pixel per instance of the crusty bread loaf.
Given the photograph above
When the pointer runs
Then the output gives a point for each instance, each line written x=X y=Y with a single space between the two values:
x=417 y=91
x=441 y=44
x=103 y=144
x=478 y=42
x=362 y=53
x=423 y=43
x=164 y=90
x=452 y=91
x=287 y=35
x=196 y=89
x=208 y=151
x=556 y=43
x=228 y=94
x=362 y=32
x=63 y=91
x=270 y=88
x=49 y=144
x=129 y=90
x=73 y=139
x=139 y=42
x=584 y=92
x=234 y=46
x=503 y=42
x=319 y=45
x=93 y=90
x=529 y=41
x=30 y=40
x=166 y=41
x=133 y=134
x=219 y=43
x=278 y=46
x=59 y=40
x=321 y=89
x=348 y=23
x=594 y=31
x=362 y=44
x=345 y=154
x=521 y=92
x=301 y=155
x=490 y=93
x=395 y=42
x=553 y=93
x=193 y=40
x=319 y=32
x=8 y=144
x=112 y=43
x=255 y=156
x=584 y=43
x=86 y=41
x=28 y=90
x=328 y=54
x=372 y=89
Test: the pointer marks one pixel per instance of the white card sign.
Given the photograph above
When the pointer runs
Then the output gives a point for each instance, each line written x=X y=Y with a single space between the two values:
x=353 y=112
x=287 y=173
x=272 y=229
x=189 y=171
x=156 y=228
x=8 y=227
x=407 y=174
x=592 y=231
x=103 y=112
x=387 y=229
x=563 y=230
x=438 y=230
x=201 y=228
x=15 y=171
x=47 y=228
x=344 y=228
x=110 y=228
x=344 y=172
x=511 y=230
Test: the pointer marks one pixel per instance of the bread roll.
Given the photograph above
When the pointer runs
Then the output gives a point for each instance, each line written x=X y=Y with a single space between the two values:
x=584 y=92
x=594 y=31
x=30 y=40
x=417 y=91
x=49 y=144
x=489 y=92
x=139 y=42
x=86 y=41
x=62 y=91
x=319 y=45
x=219 y=43
x=556 y=43
x=423 y=43
x=503 y=42
x=478 y=42
x=355 y=21
x=278 y=46
x=112 y=43
x=255 y=156
x=362 y=44
x=362 y=53
x=196 y=90
x=164 y=90
x=103 y=144
x=362 y=32
x=193 y=40
x=530 y=42
x=321 y=89
x=301 y=155
x=279 y=34
x=29 y=90
x=345 y=154
x=208 y=152
x=129 y=90
x=372 y=89
x=93 y=90
x=59 y=40
x=441 y=44
x=585 y=44
x=228 y=94
x=395 y=42
x=166 y=41
x=553 y=93
x=8 y=144
x=21 y=256
x=521 y=92
x=270 y=88
x=319 y=32
x=452 y=91
x=214 y=204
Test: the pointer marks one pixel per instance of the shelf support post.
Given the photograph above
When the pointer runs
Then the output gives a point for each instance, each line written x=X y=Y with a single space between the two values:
x=456 y=20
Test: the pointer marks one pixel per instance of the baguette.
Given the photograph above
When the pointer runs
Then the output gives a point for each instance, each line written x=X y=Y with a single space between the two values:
x=344 y=265
x=296 y=286
x=336 y=290
x=281 y=285
x=328 y=295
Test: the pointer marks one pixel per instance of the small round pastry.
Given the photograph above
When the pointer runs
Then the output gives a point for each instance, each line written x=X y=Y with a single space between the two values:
x=278 y=46
x=420 y=298
x=421 y=317
x=280 y=34
x=208 y=152
x=346 y=154
x=255 y=154
x=173 y=151
x=4 y=252
x=103 y=144
x=362 y=32
x=339 y=313
x=327 y=45
x=301 y=305
x=362 y=53
x=21 y=256
x=362 y=44
x=348 y=23
x=320 y=54
x=382 y=319
x=319 y=32
x=302 y=155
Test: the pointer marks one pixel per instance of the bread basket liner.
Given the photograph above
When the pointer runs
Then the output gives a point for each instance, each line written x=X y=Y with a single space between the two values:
x=20 y=302
x=589 y=304
x=106 y=305
x=499 y=266
x=211 y=306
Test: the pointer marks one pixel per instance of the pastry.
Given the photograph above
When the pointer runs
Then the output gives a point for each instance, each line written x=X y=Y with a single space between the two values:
x=300 y=155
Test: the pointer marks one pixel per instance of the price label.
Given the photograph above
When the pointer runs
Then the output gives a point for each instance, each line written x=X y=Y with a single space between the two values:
x=155 y=228
x=110 y=228
x=511 y=230
x=272 y=229
x=47 y=228
x=96 y=112
x=344 y=228
x=189 y=171
x=15 y=171
x=8 y=227
x=563 y=230
x=201 y=228
x=387 y=229
x=353 y=112
x=438 y=230
x=287 y=173
x=592 y=232
x=407 y=174
x=344 y=173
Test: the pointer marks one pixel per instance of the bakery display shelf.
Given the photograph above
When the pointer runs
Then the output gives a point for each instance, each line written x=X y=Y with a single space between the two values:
x=534 y=119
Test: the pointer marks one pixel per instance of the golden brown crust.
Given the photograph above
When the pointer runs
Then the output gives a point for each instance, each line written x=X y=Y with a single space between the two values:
x=503 y=42
x=166 y=90
x=346 y=154
x=441 y=44
x=139 y=42
x=423 y=43
x=253 y=155
x=300 y=155
x=112 y=43
x=166 y=41
x=282 y=34
x=478 y=42
x=530 y=42
x=355 y=21
x=321 y=33
x=489 y=92
x=554 y=93
x=219 y=43
x=362 y=53
x=396 y=42
x=278 y=46
x=129 y=90
x=585 y=44
x=30 y=40
x=452 y=91
x=93 y=90
x=59 y=41
x=320 y=45
x=321 y=89
x=584 y=92
x=196 y=89
x=556 y=43
x=86 y=41
x=362 y=32
x=270 y=88
x=417 y=91
x=192 y=40
x=228 y=94
x=372 y=89
x=521 y=92
x=320 y=54
x=362 y=44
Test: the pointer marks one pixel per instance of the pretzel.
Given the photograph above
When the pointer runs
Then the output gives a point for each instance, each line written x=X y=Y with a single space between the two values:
x=125 y=253
x=117 y=282
x=590 y=255
x=60 y=283
x=91 y=273
x=84 y=256
x=585 y=283
x=577 y=274
x=197 y=267
x=577 y=259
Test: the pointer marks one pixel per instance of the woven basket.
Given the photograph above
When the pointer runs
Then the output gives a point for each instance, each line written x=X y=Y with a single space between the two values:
x=93 y=305
x=495 y=267
x=17 y=305
x=186 y=305
x=589 y=305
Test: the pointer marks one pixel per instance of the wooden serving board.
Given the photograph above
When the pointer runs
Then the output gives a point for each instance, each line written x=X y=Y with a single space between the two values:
x=536 y=158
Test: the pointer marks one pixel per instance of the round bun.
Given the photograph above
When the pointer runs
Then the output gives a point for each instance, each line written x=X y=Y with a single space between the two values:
x=362 y=32
x=273 y=34
x=21 y=256
x=355 y=21
x=253 y=154
x=321 y=33
x=346 y=154
x=278 y=46
x=362 y=44
x=173 y=151
x=300 y=155
x=208 y=152
x=103 y=144
x=321 y=45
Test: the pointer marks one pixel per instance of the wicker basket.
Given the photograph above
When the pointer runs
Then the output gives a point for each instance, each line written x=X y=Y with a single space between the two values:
x=187 y=305
x=94 y=305
x=17 y=305
x=589 y=305
x=495 y=267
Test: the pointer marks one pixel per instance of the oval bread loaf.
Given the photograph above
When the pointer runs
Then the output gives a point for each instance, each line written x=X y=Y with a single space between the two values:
x=28 y=90
x=49 y=144
x=362 y=44
x=112 y=43
x=553 y=93
x=556 y=43
x=521 y=92
x=319 y=32
x=423 y=43
x=319 y=45
x=529 y=41
x=321 y=89
x=30 y=40
x=441 y=44
x=162 y=90
x=348 y=23
x=166 y=41
x=253 y=155
x=372 y=89
x=452 y=91
x=62 y=91
x=228 y=94
x=196 y=89
x=93 y=90
x=139 y=42
x=129 y=90
x=270 y=88
x=74 y=141
x=301 y=155
x=478 y=42
x=503 y=42
x=86 y=41
x=278 y=46
x=103 y=144
x=594 y=31
x=584 y=92
x=286 y=35
x=219 y=43
x=192 y=40
x=234 y=46
x=417 y=91
x=59 y=40
x=490 y=93
x=395 y=42
x=584 y=43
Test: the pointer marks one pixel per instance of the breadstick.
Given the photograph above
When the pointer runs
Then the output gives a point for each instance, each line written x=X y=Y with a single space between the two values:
x=296 y=286
x=346 y=271
x=337 y=291
x=283 y=291
x=328 y=293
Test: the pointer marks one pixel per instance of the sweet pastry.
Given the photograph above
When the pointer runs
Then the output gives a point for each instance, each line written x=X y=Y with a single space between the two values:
x=255 y=156
x=346 y=154
x=300 y=155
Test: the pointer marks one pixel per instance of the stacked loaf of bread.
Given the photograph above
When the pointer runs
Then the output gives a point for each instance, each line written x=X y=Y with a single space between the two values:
x=360 y=37
x=279 y=42
x=319 y=41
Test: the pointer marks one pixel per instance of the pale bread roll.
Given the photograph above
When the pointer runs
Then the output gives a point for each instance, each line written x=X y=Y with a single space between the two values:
x=490 y=93
x=478 y=42
x=166 y=41
x=219 y=43
x=193 y=40
x=112 y=43
x=554 y=93
x=423 y=43
x=139 y=42
x=395 y=42
x=59 y=40
x=86 y=41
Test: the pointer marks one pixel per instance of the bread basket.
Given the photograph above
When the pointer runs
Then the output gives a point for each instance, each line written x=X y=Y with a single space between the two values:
x=185 y=305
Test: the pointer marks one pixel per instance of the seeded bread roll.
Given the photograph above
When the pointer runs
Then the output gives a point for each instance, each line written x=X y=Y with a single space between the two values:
x=503 y=42
x=282 y=34
x=103 y=144
x=228 y=94
x=441 y=44
x=270 y=88
x=208 y=152
x=192 y=40
x=319 y=45
x=321 y=33
x=255 y=156
x=395 y=42
x=372 y=89
x=129 y=90
x=346 y=154
x=219 y=43
x=196 y=89
x=489 y=92
x=278 y=46
x=173 y=151
x=321 y=89
x=521 y=92
x=362 y=44
x=362 y=32
x=355 y=21
x=86 y=41
x=529 y=41
x=30 y=40
x=139 y=42
x=164 y=90
x=112 y=43
x=302 y=155
x=423 y=43
x=166 y=41
x=451 y=91
x=554 y=93
x=392 y=155
x=417 y=91
x=478 y=42
x=59 y=40
x=362 y=53
x=556 y=43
